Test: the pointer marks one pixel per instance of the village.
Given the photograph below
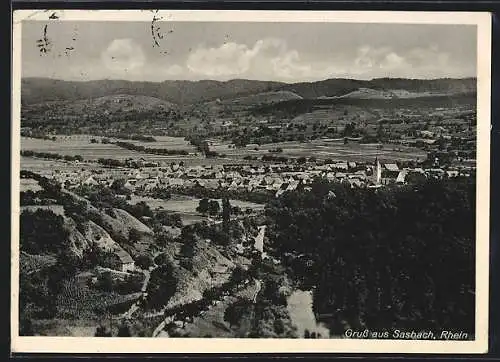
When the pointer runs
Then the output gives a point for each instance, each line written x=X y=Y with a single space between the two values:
x=277 y=178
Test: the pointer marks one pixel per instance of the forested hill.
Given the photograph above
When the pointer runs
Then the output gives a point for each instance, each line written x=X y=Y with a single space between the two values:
x=38 y=90
x=391 y=258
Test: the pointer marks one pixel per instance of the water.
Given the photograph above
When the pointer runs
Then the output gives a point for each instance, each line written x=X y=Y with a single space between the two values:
x=299 y=305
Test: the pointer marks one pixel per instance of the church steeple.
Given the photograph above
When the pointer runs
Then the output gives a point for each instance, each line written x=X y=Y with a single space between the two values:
x=377 y=172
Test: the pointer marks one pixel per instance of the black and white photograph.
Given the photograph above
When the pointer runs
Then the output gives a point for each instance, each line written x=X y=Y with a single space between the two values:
x=255 y=180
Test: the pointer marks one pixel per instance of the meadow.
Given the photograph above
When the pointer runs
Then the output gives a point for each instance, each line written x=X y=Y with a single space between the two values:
x=47 y=167
x=81 y=145
x=28 y=184
x=77 y=145
x=334 y=149
x=167 y=142
x=185 y=206
x=181 y=203
x=322 y=149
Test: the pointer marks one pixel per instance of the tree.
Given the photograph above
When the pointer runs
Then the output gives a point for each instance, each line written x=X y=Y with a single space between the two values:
x=42 y=231
x=226 y=214
x=203 y=206
x=118 y=186
x=124 y=331
x=134 y=236
x=380 y=132
x=163 y=238
x=103 y=331
x=213 y=207
x=279 y=326
x=238 y=275
x=235 y=311
x=144 y=261
x=105 y=282
x=161 y=287
x=26 y=327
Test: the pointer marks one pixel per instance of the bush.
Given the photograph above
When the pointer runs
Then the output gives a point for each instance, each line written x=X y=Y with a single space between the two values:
x=42 y=231
x=161 y=287
x=144 y=261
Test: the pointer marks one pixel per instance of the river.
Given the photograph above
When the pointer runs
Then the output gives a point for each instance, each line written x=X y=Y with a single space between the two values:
x=300 y=308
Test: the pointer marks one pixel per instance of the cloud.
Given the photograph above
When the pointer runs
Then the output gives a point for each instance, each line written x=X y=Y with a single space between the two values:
x=228 y=60
x=123 y=55
x=266 y=58
x=173 y=70
x=272 y=59
x=418 y=62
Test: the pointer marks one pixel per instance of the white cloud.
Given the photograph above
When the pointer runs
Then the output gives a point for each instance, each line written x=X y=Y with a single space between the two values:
x=273 y=59
x=173 y=70
x=123 y=55
x=429 y=62
x=228 y=60
x=268 y=58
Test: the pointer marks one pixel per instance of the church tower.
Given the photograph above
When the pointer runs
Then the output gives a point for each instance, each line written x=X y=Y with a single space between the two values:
x=377 y=173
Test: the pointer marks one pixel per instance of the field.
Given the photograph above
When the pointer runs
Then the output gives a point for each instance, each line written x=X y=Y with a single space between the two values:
x=334 y=149
x=48 y=167
x=76 y=145
x=80 y=145
x=167 y=142
x=187 y=204
x=28 y=184
x=80 y=301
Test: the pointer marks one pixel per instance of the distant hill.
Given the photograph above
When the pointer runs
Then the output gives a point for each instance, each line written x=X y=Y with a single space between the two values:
x=39 y=90
x=264 y=98
x=340 y=87
x=123 y=106
x=113 y=103
x=370 y=93
x=369 y=99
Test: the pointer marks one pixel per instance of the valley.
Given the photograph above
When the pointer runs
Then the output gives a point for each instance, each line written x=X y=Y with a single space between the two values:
x=244 y=209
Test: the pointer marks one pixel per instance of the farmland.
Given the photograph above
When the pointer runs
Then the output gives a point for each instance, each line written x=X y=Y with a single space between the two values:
x=30 y=184
x=81 y=145
x=325 y=148
x=76 y=145
x=167 y=142
x=185 y=206
x=334 y=149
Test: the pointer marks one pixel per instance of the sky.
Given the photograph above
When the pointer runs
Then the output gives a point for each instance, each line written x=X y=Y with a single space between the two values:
x=287 y=52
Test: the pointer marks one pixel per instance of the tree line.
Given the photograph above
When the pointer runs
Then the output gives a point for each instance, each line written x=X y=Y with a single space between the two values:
x=154 y=151
x=50 y=156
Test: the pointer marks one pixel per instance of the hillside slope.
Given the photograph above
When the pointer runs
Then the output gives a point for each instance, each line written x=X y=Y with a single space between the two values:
x=109 y=105
x=339 y=87
x=39 y=90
